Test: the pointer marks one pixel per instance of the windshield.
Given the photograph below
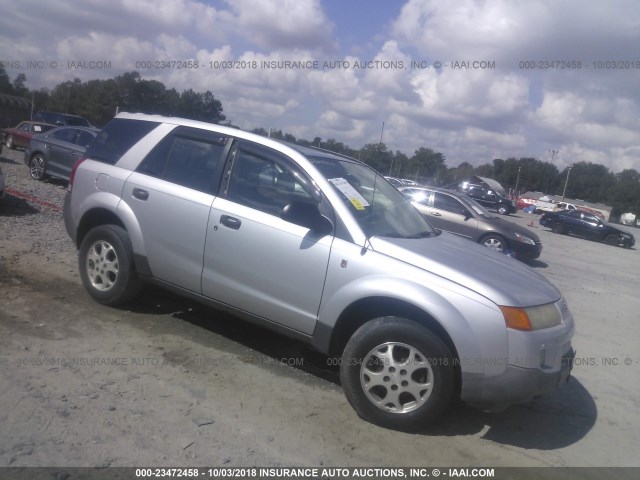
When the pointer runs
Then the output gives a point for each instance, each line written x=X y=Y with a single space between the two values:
x=379 y=208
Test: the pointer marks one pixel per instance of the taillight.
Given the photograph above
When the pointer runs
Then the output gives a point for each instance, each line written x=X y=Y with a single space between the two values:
x=73 y=171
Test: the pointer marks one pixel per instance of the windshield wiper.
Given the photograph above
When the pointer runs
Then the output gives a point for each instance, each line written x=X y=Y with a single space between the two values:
x=423 y=234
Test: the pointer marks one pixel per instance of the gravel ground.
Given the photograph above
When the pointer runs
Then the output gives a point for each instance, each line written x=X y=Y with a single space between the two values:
x=200 y=387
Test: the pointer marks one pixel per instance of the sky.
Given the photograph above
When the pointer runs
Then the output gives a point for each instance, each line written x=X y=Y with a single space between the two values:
x=473 y=79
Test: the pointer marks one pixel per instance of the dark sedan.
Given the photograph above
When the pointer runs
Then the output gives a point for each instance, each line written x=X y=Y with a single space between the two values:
x=56 y=152
x=457 y=213
x=20 y=135
x=586 y=225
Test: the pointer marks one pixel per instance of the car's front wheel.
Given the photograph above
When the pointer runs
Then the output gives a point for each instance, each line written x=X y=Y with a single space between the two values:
x=612 y=240
x=557 y=228
x=503 y=210
x=9 y=141
x=495 y=242
x=37 y=166
x=397 y=374
x=106 y=265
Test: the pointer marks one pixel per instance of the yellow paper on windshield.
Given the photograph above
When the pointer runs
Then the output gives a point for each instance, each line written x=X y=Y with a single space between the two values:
x=351 y=193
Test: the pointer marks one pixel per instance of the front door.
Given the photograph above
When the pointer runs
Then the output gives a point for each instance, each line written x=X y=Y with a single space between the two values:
x=256 y=260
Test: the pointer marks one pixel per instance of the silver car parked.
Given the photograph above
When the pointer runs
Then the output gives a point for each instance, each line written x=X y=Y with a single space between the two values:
x=459 y=214
x=320 y=247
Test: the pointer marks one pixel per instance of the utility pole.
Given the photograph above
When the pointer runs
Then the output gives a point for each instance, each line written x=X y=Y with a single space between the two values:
x=517 y=182
x=553 y=156
x=566 y=182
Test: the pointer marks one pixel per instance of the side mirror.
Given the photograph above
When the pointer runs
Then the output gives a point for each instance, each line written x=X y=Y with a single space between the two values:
x=307 y=215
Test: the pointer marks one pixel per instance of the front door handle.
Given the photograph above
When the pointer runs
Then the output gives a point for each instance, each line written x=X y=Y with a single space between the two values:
x=435 y=214
x=140 y=194
x=230 y=222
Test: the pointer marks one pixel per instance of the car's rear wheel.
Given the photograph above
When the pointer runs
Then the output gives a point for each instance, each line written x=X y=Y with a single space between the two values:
x=106 y=265
x=37 y=166
x=495 y=242
x=9 y=141
x=557 y=228
x=397 y=374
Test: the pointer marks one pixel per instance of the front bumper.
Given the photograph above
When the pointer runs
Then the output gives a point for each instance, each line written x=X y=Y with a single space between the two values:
x=526 y=251
x=518 y=385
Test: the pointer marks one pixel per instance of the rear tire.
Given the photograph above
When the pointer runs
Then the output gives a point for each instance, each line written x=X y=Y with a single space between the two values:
x=106 y=266
x=9 y=142
x=397 y=374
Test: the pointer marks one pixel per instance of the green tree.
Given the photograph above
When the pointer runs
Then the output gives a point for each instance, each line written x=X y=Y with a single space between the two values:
x=378 y=157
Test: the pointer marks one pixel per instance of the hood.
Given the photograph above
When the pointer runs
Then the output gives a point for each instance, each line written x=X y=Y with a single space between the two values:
x=493 y=275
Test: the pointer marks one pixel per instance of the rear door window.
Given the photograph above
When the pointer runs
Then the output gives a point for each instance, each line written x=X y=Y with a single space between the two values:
x=189 y=157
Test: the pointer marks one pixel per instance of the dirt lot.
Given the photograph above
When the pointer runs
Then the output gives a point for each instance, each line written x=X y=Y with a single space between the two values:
x=173 y=383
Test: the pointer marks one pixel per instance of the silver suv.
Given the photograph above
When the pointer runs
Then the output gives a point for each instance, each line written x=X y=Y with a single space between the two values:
x=322 y=248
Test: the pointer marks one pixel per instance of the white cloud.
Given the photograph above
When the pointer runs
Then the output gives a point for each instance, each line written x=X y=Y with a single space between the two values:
x=470 y=114
x=287 y=24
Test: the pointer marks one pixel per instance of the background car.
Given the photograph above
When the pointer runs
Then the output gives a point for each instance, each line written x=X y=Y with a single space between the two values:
x=20 y=135
x=456 y=213
x=394 y=181
x=62 y=119
x=55 y=152
x=488 y=193
x=587 y=225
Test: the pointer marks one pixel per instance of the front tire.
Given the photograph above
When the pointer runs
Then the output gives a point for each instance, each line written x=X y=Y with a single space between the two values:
x=495 y=242
x=37 y=166
x=9 y=142
x=557 y=228
x=612 y=240
x=397 y=374
x=106 y=265
x=502 y=210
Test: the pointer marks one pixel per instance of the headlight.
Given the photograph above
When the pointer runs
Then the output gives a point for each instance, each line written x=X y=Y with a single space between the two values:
x=524 y=239
x=532 y=318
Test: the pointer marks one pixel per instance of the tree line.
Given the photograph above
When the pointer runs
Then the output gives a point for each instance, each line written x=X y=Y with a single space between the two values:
x=98 y=101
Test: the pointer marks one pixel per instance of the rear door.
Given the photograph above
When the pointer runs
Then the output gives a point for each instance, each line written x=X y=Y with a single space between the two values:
x=61 y=150
x=170 y=194
x=254 y=260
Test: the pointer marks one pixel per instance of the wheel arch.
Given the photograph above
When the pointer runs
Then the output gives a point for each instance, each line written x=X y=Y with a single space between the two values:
x=95 y=217
x=361 y=311
x=365 y=309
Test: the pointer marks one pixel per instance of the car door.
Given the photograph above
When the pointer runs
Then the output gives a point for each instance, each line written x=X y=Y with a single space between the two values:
x=170 y=194
x=60 y=148
x=451 y=215
x=592 y=227
x=253 y=259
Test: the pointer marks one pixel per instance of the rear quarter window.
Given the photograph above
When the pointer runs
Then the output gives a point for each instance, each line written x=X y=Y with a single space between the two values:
x=117 y=138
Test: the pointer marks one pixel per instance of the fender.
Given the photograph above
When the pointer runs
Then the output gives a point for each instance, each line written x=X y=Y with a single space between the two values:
x=474 y=324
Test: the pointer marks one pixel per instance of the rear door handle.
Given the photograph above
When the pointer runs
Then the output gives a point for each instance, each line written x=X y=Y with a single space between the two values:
x=230 y=222
x=140 y=194
x=435 y=214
